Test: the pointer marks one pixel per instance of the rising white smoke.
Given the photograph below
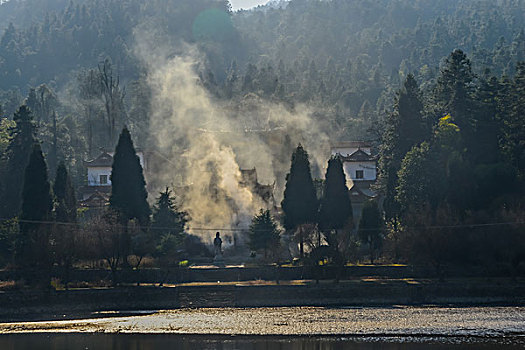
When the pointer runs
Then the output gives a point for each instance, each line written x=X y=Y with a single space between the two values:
x=207 y=142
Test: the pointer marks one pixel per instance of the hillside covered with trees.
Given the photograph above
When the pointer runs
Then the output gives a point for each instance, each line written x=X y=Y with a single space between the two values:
x=438 y=87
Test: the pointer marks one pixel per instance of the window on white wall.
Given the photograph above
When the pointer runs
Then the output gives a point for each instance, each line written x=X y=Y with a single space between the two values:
x=359 y=174
x=103 y=179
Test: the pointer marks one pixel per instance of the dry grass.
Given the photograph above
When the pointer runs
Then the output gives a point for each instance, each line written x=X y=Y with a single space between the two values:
x=9 y=285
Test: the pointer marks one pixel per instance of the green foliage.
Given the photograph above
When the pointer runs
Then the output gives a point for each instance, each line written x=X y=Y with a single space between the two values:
x=32 y=244
x=432 y=172
x=5 y=137
x=405 y=128
x=371 y=228
x=168 y=225
x=415 y=184
x=167 y=217
x=8 y=234
x=65 y=200
x=65 y=231
x=16 y=159
x=300 y=201
x=264 y=233
x=128 y=192
x=335 y=210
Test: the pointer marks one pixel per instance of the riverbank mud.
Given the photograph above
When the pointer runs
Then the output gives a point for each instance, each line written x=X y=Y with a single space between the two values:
x=302 y=321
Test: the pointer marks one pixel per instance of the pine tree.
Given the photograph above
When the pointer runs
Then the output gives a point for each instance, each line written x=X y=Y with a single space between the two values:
x=405 y=128
x=371 y=228
x=454 y=95
x=488 y=121
x=66 y=203
x=168 y=219
x=300 y=201
x=335 y=209
x=63 y=235
x=128 y=187
x=17 y=157
x=32 y=245
x=264 y=233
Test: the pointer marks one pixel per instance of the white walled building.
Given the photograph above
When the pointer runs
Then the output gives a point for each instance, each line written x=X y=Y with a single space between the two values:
x=99 y=177
x=358 y=163
x=360 y=168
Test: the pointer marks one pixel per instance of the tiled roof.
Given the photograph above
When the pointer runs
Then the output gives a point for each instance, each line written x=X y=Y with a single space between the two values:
x=358 y=156
x=103 y=160
x=97 y=199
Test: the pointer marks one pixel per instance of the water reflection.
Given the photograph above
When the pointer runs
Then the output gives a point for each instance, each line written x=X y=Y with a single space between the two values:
x=157 y=342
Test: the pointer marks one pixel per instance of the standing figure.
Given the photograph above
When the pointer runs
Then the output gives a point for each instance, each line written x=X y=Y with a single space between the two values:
x=217 y=242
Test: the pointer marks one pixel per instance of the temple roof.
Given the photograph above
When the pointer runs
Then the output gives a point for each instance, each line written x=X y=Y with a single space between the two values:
x=97 y=199
x=103 y=160
x=358 y=156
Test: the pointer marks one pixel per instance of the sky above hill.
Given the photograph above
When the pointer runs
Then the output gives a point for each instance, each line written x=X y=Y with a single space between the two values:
x=246 y=4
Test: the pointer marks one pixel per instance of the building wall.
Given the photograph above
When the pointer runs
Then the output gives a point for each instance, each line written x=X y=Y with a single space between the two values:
x=368 y=168
x=95 y=172
x=94 y=176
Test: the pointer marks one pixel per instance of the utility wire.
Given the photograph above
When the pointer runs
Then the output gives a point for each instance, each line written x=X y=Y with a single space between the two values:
x=494 y=224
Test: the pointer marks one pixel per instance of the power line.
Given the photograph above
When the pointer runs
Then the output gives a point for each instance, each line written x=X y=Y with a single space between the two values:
x=230 y=229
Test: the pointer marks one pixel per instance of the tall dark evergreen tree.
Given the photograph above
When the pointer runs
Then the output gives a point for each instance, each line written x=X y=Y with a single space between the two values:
x=405 y=128
x=66 y=202
x=17 y=157
x=300 y=201
x=128 y=187
x=63 y=235
x=454 y=95
x=32 y=244
x=335 y=210
x=371 y=228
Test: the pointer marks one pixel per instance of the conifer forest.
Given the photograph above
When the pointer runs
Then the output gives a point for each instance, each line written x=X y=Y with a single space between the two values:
x=215 y=120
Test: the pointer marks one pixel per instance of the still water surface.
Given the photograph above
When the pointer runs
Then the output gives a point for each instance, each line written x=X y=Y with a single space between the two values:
x=166 y=341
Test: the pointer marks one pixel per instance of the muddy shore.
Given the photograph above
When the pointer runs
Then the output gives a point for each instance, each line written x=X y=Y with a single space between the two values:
x=27 y=305
x=302 y=321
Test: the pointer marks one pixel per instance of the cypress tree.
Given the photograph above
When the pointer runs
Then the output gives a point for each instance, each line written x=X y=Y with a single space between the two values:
x=32 y=246
x=129 y=197
x=371 y=228
x=65 y=213
x=336 y=209
x=405 y=128
x=128 y=187
x=300 y=201
x=17 y=157
x=66 y=203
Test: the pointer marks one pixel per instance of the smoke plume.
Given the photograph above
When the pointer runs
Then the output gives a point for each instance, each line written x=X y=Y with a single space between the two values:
x=205 y=142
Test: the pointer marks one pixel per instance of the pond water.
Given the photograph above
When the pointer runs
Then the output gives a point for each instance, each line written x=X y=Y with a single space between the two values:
x=301 y=328
x=167 y=341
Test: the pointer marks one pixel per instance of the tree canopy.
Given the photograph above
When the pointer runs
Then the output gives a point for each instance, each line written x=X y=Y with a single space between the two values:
x=128 y=187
